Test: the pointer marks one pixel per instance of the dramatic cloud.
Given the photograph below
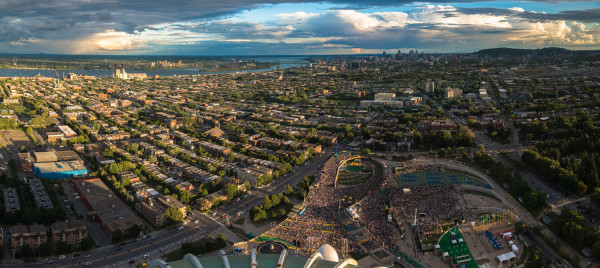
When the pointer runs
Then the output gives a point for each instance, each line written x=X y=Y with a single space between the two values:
x=212 y=27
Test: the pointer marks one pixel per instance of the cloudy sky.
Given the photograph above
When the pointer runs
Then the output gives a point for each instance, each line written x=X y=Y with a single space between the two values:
x=278 y=27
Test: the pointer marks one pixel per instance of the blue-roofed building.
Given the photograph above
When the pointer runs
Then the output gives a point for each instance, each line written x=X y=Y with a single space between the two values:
x=59 y=170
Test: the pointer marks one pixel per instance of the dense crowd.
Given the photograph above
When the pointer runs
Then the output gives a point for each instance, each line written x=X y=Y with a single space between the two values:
x=435 y=201
x=374 y=215
x=321 y=217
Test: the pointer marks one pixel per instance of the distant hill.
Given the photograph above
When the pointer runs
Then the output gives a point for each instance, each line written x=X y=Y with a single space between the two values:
x=503 y=51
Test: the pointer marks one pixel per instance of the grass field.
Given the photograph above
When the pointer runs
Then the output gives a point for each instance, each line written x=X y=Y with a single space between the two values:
x=439 y=178
x=459 y=252
x=354 y=175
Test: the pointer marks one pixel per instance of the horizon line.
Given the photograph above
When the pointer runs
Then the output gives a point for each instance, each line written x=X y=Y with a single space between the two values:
x=284 y=55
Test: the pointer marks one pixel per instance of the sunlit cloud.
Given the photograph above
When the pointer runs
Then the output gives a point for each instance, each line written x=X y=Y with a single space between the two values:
x=340 y=27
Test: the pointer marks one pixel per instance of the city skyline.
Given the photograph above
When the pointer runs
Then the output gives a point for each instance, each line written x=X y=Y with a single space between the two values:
x=293 y=27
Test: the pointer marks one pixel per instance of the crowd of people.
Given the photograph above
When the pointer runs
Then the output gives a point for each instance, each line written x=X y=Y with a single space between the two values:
x=432 y=201
x=429 y=231
x=375 y=217
x=322 y=207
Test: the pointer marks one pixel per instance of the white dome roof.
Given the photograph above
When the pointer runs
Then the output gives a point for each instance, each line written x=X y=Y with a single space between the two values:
x=328 y=253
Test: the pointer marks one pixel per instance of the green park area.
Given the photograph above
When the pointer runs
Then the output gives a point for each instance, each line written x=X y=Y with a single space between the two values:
x=452 y=242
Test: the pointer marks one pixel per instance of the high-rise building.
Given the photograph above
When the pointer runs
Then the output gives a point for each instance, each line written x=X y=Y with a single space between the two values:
x=121 y=74
x=429 y=86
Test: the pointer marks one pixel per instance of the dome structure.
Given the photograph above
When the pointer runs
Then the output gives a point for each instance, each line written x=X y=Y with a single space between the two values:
x=328 y=253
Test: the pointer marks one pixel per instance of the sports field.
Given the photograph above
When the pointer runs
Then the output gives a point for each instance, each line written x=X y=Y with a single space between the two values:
x=457 y=251
x=439 y=178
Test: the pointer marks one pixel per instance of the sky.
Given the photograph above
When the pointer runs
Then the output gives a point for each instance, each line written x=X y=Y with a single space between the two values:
x=292 y=27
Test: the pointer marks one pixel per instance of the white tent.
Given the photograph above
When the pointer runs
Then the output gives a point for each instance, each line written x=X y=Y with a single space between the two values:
x=506 y=257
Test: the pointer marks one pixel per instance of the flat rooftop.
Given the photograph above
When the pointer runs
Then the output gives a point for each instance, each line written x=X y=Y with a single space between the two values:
x=109 y=207
x=59 y=166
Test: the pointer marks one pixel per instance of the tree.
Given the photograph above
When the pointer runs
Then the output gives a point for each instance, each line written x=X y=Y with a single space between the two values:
x=87 y=244
x=204 y=204
x=221 y=241
x=135 y=231
x=288 y=190
x=44 y=250
x=595 y=197
x=185 y=196
x=63 y=247
x=230 y=190
x=266 y=203
x=117 y=236
x=174 y=215
x=25 y=252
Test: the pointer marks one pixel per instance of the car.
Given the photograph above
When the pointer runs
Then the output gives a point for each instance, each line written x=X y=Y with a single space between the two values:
x=196 y=221
x=147 y=255
x=62 y=257
x=77 y=197
x=88 y=263
x=131 y=261
x=75 y=194
x=180 y=228
x=34 y=260
x=76 y=255
x=88 y=255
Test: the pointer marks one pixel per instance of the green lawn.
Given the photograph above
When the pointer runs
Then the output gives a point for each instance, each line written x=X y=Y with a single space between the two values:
x=456 y=250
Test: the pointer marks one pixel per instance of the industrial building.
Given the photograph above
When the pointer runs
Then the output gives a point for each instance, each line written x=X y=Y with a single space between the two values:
x=59 y=170
x=105 y=207
x=57 y=165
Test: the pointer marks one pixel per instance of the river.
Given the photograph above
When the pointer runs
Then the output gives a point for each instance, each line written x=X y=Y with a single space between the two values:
x=284 y=63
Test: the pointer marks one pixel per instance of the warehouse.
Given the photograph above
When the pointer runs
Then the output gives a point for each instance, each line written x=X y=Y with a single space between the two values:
x=105 y=206
x=59 y=170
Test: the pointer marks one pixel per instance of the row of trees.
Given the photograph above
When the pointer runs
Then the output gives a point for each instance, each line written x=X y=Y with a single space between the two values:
x=274 y=207
x=463 y=137
x=202 y=246
x=533 y=200
x=553 y=170
x=567 y=150
x=574 y=230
